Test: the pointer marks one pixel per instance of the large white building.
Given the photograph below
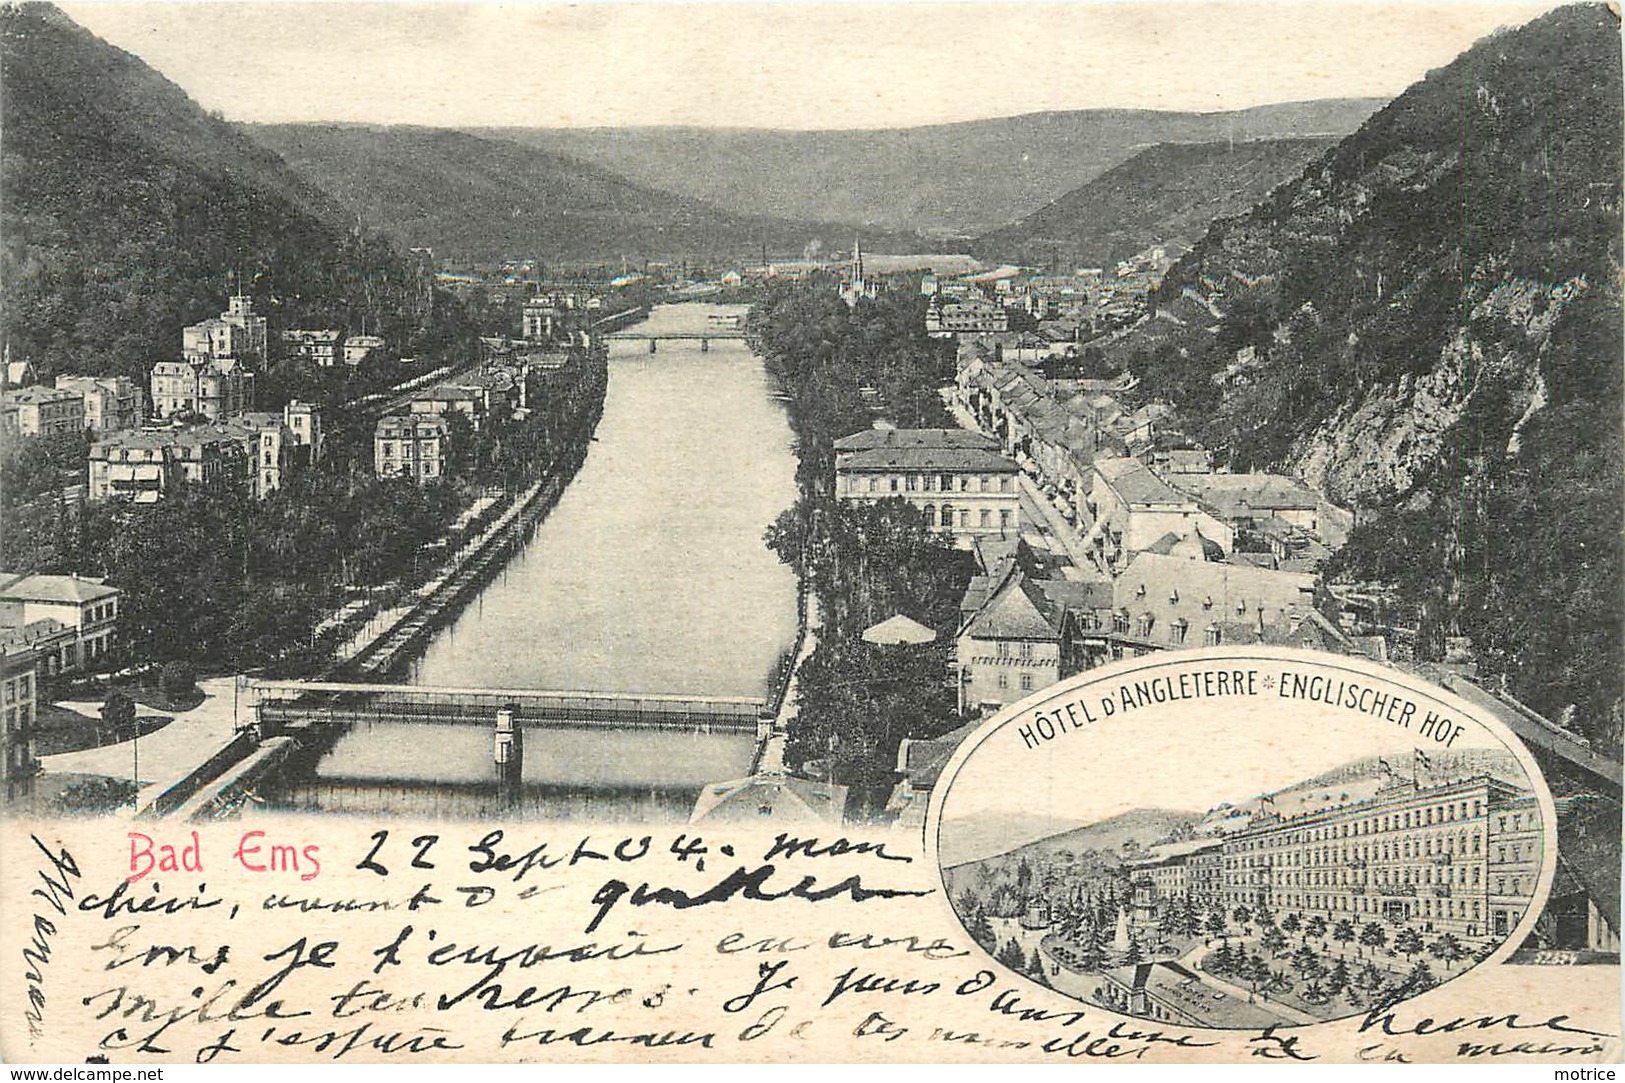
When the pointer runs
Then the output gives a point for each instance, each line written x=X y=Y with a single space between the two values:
x=957 y=478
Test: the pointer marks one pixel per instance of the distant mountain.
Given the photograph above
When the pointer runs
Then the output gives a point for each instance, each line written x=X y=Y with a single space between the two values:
x=472 y=197
x=948 y=179
x=1141 y=825
x=1169 y=193
x=1426 y=325
x=124 y=206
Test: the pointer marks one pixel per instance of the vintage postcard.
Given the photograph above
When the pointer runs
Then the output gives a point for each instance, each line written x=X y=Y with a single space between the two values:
x=792 y=533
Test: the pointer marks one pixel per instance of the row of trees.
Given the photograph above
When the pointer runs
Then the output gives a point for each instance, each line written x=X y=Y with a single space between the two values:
x=842 y=367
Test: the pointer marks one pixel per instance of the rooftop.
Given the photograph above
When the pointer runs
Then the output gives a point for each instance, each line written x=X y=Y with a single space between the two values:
x=53 y=588
x=870 y=439
x=1018 y=609
x=928 y=459
x=899 y=629
x=776 y=797
x=1136 y=484
x=24 y=396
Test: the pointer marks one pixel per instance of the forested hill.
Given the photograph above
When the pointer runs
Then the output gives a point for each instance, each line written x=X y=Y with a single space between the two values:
x=476 y=198
x=123 y=206
x=1166 y=194
x=964 y=178
x=1426 y=324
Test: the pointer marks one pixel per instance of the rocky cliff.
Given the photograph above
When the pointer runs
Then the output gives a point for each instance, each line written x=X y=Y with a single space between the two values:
x=1426 y=325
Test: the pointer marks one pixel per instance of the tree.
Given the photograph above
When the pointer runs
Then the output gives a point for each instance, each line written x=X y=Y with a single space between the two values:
x=177 y=678
x=1256 y=971
x=1135 y=953
x=1273 y=940
x=1372 y=935
x=1315 y=929
x=1306 y=962
x=1408 y=942
x=1190 y=922
x=1215 y=923
x=1448 y=950
x=1035 y=967
x=1093 y=954
x=1292 y=923
x=118 y=716
x=1338 y=978
x=1343 y=932
x=1012 y=957
x=981 y=929
x=1242 y=915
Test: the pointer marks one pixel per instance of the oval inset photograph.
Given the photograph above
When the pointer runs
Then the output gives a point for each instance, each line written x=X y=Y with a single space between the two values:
x=1243 y=837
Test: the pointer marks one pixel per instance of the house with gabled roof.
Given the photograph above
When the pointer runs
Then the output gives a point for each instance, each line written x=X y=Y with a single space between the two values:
x=1014 y=644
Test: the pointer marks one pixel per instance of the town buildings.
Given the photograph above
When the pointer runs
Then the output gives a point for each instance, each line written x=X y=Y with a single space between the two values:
x=1131 y=509
x=19 y=680
x=358 y=348
x=237 y=334
x=70 y=620
x=948 y=316
x=961 y=485
x=489 y=395
x=143 y=466
x=411 y=446
x=112 y=403
x=554 y=318
x=41 y=411
x=323 y=348
x=206 y=388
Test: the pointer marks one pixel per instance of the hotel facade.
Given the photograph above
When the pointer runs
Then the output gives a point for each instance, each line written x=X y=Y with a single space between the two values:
x=1462 y=857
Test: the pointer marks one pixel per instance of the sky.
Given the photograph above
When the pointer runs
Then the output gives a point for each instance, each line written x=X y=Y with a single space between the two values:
x=786 y=65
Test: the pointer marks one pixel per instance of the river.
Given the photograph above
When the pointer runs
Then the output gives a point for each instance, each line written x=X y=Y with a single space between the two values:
x=649 y=575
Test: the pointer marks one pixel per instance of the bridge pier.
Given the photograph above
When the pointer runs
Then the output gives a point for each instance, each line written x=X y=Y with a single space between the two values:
x=653 y=343
x=508 y=753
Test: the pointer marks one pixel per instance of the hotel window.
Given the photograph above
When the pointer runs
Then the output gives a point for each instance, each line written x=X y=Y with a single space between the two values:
x=1004 y=518
x=1004 y=484
x=893 y=483
x=1026 y=682
x=874 y=483
x=1211 y=639
x=930 y=515
x=984 y=518
x=964 y=517
x=911 y=482
x=1003 y=649
x=946 y=483
x=1026 y=652
x=1004 y=680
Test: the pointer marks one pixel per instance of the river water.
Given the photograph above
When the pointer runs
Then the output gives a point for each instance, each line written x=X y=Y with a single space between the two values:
x=649 y=575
